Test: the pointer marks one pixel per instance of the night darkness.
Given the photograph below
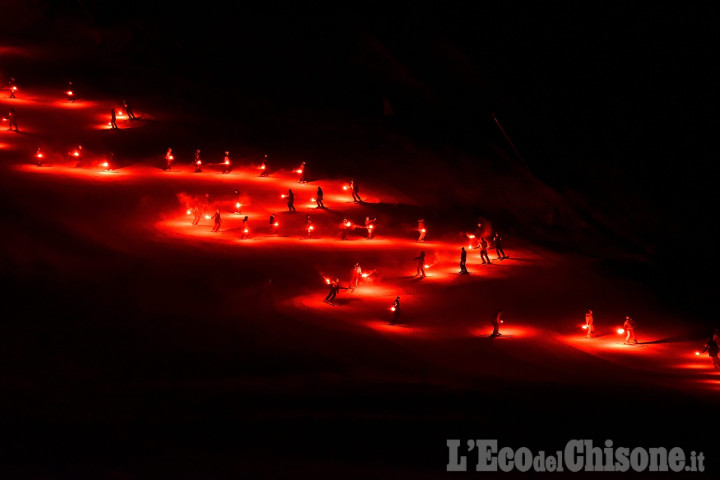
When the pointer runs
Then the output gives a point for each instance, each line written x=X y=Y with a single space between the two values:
x=610 y=108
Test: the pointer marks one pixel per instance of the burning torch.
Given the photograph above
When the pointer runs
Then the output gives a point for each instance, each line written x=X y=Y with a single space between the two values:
x=38 y=157
x=238 y=206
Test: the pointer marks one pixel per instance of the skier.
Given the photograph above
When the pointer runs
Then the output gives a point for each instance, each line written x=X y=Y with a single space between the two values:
x=629 y=327
x=345 y=226
x=354 y=188
x=77 y=154
x=273 y=225
x=113 y=119
x=308 y=227
x=217 y=221
x=128 y=110
x=420 y=265
x=12 y=122
x=319 y=198
x=301 y=171
x=12 y=86
x=356 y=276
x=334 y=289
x=421 y=229
x=264 y=168
x=245 y=228
x=497 y=240
x=169 y=158
x=196 y=215
x=109 y=162
x=463 y=258
x=198 y=161
x=712 y=348
x=370 y=226
x=589 y=324
x=483 y=251
x=69 y=94
x=395 y=309
x=227 y=163
x=38 y=157
x=291 y=200
x=496 y=321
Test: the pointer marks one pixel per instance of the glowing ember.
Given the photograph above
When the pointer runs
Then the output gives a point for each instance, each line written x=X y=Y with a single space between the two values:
x=620 y=331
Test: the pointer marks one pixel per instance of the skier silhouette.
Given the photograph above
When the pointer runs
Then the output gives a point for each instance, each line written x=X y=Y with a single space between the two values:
x=420 y=264
x=291 y=200
x=319 y=198
x=463 y=258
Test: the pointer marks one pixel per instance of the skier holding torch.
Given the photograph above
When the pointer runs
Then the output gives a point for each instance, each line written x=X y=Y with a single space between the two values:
x=370 y=226
x=395 y=309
